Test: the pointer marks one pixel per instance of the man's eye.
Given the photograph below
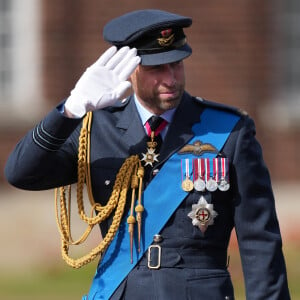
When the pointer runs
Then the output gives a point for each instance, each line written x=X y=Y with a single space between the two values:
x=176 y=63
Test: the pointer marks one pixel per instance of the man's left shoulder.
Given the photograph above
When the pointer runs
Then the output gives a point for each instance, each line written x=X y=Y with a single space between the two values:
x=221 y=106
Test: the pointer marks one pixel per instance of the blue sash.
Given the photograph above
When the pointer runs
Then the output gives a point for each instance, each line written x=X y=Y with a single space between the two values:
x=214 y=128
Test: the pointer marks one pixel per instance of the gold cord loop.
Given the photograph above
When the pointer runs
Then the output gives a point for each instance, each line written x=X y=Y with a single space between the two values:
x=130 y=175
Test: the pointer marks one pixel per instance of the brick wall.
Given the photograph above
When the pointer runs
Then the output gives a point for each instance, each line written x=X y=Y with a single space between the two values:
x=230 y=41
x=232 y=45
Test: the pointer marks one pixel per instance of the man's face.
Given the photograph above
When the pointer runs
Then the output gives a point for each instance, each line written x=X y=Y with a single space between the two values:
x=159 y=88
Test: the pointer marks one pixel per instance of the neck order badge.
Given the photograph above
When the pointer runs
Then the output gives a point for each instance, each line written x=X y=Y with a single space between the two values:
x=154 y=126
x=214 y=128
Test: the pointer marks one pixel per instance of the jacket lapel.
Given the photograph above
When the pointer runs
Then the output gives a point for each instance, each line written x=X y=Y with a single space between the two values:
x=180 y=131
x=133 y=131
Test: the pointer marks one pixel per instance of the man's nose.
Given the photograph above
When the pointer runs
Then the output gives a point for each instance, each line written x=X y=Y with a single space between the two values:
x=169 y=74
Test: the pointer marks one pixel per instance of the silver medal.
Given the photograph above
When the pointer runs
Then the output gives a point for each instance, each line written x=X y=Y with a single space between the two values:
x=223 y=185
x=211 y=185
x=199 y=185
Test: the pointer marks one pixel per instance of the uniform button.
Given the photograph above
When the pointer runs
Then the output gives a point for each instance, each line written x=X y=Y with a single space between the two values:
x=155 y=171
x=107 y=182
x=157 y=238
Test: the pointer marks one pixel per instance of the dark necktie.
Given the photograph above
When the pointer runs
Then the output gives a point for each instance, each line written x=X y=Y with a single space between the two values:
x=154 y=126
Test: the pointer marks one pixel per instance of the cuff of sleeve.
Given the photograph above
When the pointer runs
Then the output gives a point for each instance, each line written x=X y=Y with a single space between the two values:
x=54 y=129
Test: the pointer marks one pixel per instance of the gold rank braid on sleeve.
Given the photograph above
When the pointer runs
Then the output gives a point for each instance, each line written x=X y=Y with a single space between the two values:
x=126 y=175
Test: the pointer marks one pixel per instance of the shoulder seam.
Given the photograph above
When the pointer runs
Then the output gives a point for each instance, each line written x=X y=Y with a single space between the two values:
x=226 y=107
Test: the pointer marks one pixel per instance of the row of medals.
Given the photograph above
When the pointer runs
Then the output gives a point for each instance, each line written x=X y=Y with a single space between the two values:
x=200 y=184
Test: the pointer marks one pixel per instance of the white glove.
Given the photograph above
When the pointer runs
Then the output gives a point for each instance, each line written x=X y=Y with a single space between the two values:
x=104 y=82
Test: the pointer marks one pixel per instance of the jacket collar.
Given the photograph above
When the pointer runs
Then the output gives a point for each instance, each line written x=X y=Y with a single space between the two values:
x=179 y=133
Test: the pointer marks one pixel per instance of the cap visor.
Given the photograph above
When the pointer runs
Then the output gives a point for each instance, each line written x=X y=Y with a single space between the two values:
x=166 y=57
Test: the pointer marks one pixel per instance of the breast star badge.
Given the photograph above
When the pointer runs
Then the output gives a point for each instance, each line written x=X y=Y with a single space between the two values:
x=202 y=214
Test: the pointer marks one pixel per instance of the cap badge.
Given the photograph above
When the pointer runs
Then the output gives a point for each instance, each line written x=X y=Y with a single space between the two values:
x=167 y=38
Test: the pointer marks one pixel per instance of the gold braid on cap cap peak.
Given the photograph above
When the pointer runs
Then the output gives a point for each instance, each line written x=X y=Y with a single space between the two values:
x=126 y=178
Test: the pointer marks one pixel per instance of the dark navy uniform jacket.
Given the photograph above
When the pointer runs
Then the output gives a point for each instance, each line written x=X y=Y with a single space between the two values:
x=193 y=264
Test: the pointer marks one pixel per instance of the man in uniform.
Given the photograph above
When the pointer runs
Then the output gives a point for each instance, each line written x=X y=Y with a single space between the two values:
x=204 y=171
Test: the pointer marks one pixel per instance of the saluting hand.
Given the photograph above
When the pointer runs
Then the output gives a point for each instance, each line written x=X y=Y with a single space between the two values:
x=104 y=82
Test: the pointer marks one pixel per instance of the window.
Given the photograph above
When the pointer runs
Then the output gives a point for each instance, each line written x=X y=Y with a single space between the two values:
x=5 y=48
x=20 y=84
x=290 y=29
x=286 y=101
